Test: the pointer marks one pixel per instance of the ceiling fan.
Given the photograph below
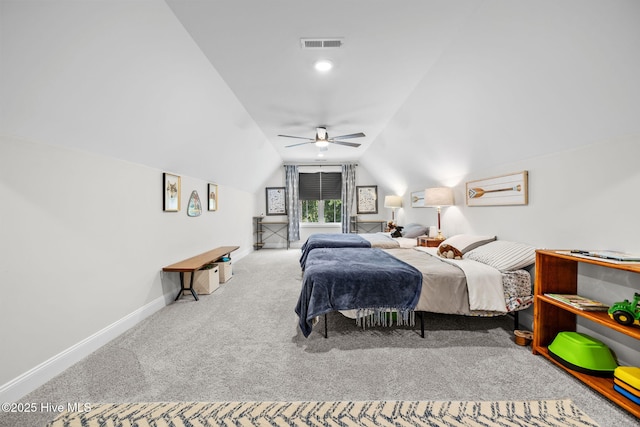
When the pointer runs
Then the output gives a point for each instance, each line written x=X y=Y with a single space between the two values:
x=322 y=139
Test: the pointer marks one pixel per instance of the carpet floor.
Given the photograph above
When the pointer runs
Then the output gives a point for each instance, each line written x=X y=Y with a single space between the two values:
x=242 y=344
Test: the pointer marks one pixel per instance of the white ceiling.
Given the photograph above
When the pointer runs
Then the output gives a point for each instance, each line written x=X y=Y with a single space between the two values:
x=441 y=88
x=388 y=48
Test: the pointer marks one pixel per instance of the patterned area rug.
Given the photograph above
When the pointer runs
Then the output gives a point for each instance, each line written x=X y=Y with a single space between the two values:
x=369 y=413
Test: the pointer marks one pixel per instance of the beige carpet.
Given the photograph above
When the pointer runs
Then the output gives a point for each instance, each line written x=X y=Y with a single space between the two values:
x=369 y=413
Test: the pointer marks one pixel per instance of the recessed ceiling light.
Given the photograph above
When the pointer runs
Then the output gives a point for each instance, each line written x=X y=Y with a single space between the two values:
x=323 y=65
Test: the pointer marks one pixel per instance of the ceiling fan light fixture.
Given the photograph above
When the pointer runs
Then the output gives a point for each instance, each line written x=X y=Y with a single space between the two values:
x=321 y=133
x=321 y=137
x=323 y=65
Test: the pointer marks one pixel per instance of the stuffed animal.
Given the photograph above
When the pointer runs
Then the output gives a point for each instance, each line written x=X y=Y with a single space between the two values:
x=448 y=251
x=397 y=232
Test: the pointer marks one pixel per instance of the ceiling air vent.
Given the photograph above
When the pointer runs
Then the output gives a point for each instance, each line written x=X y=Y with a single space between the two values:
x=321 y=43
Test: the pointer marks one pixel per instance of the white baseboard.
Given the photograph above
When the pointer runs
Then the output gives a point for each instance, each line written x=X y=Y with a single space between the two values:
x=37 y=376
x=237 y=256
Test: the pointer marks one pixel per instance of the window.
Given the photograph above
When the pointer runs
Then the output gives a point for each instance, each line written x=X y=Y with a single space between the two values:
x=320 y=196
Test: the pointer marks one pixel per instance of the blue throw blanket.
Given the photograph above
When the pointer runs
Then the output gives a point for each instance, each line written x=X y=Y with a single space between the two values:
x=331 y=240
x=355 y=278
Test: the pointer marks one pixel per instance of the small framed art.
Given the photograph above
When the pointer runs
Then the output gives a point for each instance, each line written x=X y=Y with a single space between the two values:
x=170 y=192
x=212 y=192
x=367 y=199
x=276 y=201
x=417 y=199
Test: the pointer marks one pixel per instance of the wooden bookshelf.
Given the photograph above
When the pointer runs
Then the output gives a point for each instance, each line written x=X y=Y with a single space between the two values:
x=558 y=273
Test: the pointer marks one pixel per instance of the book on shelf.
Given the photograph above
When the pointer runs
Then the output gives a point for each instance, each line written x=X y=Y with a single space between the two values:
x=579 y=302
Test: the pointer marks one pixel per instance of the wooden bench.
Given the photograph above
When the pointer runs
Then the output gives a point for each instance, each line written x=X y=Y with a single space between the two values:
x=191 y=265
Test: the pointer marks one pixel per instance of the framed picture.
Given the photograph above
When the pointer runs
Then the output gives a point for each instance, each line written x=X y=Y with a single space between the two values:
x=212 y=192
x=367 y=199
x=276 y=201
x=417 y=199
x=170 y=192
x=499 y=191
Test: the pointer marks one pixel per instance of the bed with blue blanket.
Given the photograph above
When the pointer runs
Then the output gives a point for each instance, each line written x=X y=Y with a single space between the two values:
x=379 y=240
x=363 y=283
x=365 y=279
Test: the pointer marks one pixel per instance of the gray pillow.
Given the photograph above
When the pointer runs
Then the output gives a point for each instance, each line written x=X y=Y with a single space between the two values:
x=412 y=231
x=504 y=255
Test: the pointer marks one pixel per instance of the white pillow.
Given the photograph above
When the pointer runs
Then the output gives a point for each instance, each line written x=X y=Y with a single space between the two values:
x=504 y=255
x=466 y=242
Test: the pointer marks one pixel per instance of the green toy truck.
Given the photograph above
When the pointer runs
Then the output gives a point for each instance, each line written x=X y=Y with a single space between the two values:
x=626 y=313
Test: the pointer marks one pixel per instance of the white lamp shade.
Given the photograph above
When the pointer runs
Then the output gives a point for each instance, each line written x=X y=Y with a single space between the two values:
x=392 y=201
x=438 y=196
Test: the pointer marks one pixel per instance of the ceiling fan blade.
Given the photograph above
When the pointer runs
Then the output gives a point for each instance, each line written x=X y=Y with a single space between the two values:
x=298 y=137
x=301 y=143
x=351 y=135
x=348 y=144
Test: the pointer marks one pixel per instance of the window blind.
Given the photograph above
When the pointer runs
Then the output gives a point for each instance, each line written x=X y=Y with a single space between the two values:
x=320 y=186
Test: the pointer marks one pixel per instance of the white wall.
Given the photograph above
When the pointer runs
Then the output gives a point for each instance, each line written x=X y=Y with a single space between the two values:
x=83 y=241
x=581 y=197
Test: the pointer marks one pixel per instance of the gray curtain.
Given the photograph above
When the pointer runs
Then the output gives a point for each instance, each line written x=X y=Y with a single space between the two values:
x=348 y=194
x=293 y=207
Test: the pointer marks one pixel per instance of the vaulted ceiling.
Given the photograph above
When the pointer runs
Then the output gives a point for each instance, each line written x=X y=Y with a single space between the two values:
x=439 y=87
x=204 y=87
x=386 y=50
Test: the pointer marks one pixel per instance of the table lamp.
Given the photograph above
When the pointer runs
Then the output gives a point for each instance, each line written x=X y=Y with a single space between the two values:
x=392 y=202
x=438 y=197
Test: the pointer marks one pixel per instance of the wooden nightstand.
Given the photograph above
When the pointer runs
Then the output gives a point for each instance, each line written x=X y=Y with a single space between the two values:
x=429 y=242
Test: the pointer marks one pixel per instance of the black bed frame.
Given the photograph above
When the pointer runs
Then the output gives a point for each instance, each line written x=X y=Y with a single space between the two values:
x=514 y=314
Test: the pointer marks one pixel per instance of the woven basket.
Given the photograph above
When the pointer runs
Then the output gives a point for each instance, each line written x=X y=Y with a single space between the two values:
x=523 y=337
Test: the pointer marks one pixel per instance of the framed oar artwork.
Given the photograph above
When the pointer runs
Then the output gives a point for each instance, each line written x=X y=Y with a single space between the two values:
x=499 y=191
x=417 y=199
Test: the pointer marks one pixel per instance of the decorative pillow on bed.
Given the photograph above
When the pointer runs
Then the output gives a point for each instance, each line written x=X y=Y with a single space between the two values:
x=412 y=231
x=448 y=251
x=504 y=255
x=466 y=242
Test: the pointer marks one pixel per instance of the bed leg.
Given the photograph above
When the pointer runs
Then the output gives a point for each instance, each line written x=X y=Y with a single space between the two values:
x=326 y=334
x=421 y=323
x=516 y=320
